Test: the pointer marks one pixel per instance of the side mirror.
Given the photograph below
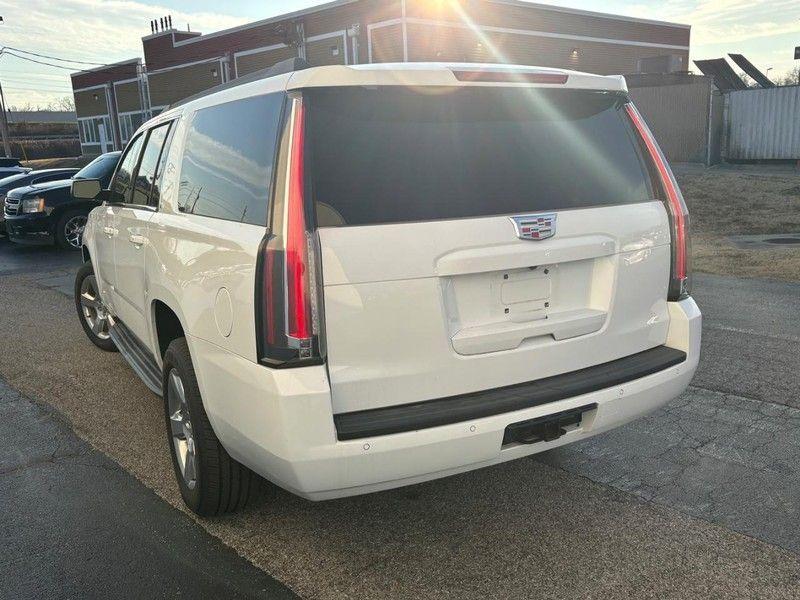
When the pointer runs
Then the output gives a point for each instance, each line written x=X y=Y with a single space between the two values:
x=86 y=189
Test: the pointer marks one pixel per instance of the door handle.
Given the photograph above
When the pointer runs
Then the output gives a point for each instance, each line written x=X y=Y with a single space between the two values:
x=109 y=231
x=137 y=240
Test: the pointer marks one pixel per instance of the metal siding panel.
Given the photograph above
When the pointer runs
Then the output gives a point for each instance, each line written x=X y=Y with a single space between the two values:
x=449 y=44
x=446 y=43
x=87 y=106
x=173 y=85
x=387 y=44
x=261 y=60
x=342 y=17
x=320 y=52
x=128 y=98
x=678 y=117
x=540 y=18
x=764 y=124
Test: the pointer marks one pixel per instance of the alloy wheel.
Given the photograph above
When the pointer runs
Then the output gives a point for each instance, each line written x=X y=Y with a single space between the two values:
x=93 y=310
x=183 y=444
x=73 y=230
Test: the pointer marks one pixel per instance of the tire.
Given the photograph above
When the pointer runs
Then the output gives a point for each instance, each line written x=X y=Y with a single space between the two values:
x=91 y=312
x=69 y=229
x=210 y=481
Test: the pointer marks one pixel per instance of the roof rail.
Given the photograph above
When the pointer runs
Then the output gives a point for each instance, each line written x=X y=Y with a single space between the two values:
x=280 y=68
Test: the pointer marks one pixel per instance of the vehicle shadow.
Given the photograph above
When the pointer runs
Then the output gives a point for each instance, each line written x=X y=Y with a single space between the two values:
x=20 y=258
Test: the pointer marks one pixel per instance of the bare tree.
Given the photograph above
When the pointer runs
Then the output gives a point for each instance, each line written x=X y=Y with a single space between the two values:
x=27 y=107
x=748 y=81
x=65 y=103
x=790 y=78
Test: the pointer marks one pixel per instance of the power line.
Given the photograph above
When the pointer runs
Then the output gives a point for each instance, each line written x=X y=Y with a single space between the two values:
x=79 y=62
x=39 y=76
x=130 y=70
x=40 y=62
x=36 y=89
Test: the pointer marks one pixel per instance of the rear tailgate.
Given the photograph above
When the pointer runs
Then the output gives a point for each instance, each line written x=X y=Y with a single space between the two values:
x=431 y=289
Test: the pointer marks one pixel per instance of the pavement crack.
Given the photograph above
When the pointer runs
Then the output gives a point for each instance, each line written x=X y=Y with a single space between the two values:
x=53 y=458
x=734 y=394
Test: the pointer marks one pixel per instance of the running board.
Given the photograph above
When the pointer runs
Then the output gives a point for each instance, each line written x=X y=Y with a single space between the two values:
x=139 y=358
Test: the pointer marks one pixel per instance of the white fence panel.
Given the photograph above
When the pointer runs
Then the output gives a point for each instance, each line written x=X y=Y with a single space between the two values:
x=763 y=124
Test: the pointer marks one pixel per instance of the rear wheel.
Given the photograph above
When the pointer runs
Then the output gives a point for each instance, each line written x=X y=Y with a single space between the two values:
x=91 y=312
x=210 y=481
x=69 y=230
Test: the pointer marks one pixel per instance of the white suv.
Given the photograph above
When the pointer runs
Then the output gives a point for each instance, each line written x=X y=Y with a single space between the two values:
x=348 y=279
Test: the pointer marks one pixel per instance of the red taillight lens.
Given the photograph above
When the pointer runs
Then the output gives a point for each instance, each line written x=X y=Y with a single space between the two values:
x=679 y=285
x=297 y=272
x=287 y=302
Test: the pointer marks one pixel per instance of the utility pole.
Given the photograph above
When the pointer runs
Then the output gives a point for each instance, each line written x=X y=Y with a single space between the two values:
x=4 y=124
x=4 y=119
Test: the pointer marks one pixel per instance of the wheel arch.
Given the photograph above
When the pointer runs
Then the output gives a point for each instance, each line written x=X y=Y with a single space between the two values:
x=167 y=325
x=60 y=209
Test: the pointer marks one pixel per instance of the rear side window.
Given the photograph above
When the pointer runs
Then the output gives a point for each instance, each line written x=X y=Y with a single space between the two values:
x=146 y=174
x=122 y=187
x=389 y=154
x=228 y=159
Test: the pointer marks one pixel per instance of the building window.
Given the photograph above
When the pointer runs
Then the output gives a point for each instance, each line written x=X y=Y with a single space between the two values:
x=129 y=123
x=89 y=129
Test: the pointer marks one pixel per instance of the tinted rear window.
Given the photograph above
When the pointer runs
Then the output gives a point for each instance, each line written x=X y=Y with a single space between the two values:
x=386 y=155
x=101 y=168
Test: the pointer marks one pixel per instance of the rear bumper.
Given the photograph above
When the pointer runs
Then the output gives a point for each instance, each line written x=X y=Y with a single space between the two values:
x=279 y=422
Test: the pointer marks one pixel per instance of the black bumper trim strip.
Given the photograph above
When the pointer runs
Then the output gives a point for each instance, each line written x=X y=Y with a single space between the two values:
x=455 y=409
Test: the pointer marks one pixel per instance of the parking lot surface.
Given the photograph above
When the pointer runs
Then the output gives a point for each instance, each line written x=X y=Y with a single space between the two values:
x=77 y=525
x=696 y=500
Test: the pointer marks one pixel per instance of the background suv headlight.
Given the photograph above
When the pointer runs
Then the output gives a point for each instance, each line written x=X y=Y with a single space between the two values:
x=33 y=205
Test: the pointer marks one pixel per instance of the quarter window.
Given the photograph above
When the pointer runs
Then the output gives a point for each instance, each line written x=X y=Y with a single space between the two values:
x=228 y=158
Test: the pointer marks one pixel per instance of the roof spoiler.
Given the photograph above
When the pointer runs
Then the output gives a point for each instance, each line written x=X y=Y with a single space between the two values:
x=289 y=65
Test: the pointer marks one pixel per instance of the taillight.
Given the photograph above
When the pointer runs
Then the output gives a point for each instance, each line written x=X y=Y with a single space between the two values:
x=297 y=252
x=680 y=272
x=287 y=303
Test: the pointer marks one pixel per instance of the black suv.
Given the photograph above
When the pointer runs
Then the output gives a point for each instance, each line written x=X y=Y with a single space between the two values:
x=25 y=179
x=43 y=213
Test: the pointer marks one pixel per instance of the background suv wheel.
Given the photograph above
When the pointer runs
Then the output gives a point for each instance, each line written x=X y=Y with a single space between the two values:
x=211 y=482
x=69 y=230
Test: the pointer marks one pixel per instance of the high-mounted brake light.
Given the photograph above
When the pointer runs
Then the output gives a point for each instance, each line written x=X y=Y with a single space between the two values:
x=509 y=76
x=287 y=302
x=680 y=276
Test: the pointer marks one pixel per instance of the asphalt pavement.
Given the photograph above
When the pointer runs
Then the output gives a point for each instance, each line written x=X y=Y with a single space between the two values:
x=699 y=499
x=76 y=525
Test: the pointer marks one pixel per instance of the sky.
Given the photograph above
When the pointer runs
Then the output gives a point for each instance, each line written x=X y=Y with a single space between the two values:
x=105 y=31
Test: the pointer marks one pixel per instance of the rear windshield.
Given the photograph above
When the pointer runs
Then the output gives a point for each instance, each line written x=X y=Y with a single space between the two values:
x=100 y=168
x=385 y=155
x=7 y=182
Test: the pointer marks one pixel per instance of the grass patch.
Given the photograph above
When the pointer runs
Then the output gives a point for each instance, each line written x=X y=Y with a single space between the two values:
x=725 y=202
